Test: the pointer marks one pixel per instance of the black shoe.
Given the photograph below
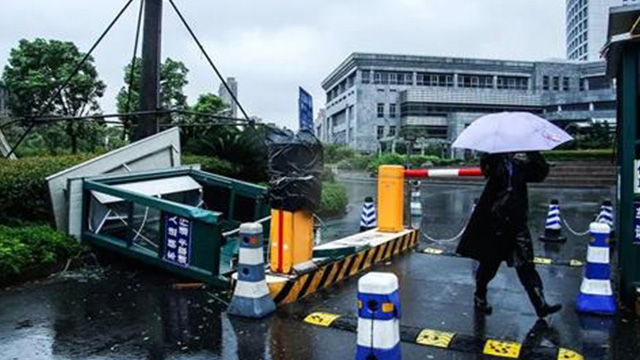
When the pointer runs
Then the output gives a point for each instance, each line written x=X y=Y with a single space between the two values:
x=482 y=305
x=540 y=303
x=547 y=310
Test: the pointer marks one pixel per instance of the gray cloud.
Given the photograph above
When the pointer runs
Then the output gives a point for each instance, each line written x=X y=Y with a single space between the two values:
x=274 y=46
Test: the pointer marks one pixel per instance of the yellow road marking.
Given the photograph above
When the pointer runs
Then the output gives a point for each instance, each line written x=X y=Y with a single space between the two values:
x=575 y=263
x=433 y=251
x=435 y=338
x=321 y=319
x=505 y=349
x=566 y=354
x=542 y=261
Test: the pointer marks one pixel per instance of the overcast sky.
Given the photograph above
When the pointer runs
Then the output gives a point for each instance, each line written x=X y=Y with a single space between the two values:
x=274 y=46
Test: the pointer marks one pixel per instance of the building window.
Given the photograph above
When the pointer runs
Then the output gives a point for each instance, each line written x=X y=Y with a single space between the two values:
x=393 y=79
x=377 y=77
x=581 y=84
x=380 y=109
x=556 y=83
x=565 y=84
x=408 y=79
x=392 y=130
x=442 y=80
x=545 y=83
x=392 y=110
x=380 y=134
x=366 y=76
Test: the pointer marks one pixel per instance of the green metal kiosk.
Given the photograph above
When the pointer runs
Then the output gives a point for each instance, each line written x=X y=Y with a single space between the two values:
x=623 y=57
x=179 y=219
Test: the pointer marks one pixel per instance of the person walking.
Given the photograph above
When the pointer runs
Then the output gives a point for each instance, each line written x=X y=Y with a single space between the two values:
x=498 y=231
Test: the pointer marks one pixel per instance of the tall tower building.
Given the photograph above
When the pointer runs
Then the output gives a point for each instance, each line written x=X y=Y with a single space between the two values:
x=587 y=23
x=226 y=97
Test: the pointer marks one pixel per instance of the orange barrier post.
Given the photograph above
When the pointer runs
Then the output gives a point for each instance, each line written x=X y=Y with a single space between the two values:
x=390 y=198
x=291 y=239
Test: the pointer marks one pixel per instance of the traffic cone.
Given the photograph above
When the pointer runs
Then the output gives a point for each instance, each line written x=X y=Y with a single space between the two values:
x=416 y=200
x=596 y=295
x=368 y=217
x=605 y=215
x=553 y=226
x=378 y=317
x=251 y=295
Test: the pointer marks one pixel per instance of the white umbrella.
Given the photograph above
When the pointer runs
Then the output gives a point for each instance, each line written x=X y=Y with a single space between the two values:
x=511 y=132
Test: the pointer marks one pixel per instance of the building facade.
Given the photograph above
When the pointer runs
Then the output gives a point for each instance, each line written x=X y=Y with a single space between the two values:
x=373 y=100
x=225 y=96
x=587 y=23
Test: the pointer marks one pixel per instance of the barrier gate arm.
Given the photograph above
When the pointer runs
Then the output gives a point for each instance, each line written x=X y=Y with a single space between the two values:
x=441 y=173
x=391 y=191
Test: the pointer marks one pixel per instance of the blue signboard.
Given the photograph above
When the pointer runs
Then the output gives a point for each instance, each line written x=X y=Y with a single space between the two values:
x=636 y=222
x=177 y=236
x=305 y=110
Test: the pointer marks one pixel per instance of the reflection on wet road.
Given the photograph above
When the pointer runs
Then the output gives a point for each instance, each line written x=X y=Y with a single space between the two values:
x=129 y=312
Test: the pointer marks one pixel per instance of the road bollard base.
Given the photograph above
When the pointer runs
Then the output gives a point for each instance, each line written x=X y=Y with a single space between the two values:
x=553 y=236
x=367 y=353
x=596 y=304
x=252 y=308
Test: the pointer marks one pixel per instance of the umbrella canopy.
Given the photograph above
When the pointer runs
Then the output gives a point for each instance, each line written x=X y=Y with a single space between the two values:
x=511 y=132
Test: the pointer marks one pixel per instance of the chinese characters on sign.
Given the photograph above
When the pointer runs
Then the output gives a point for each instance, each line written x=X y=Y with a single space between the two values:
x=177 y=246
x=636 y=222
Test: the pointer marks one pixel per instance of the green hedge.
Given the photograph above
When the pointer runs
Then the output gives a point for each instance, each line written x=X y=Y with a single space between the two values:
x=416 y=161
x=24 y=196
x=568 y=155
x=358 y=162
x=33 y=247
x=334 y=200
x=335 y=153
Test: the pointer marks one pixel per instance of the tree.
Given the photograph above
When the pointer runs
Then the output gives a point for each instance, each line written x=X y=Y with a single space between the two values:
x=173 y=79
x=207 y=104
x=35 y=70
x=241 y=145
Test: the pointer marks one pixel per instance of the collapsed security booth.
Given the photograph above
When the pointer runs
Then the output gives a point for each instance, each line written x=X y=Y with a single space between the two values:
x=141 y=203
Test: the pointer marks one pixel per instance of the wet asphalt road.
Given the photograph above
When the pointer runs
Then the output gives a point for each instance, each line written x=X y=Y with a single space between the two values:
x=127 y=312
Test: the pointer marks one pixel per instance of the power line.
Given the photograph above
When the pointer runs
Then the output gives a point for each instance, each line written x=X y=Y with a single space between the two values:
x=206 y=55
x=69 y=78
x=133 y=58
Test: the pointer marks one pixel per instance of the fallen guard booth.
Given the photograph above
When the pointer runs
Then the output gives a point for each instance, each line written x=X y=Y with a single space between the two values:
x=174 y=217
x=623 y=58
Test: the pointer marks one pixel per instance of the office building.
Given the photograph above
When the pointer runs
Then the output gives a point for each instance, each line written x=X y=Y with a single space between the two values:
x=375 y=100
x=586 y=27
x=226 y=97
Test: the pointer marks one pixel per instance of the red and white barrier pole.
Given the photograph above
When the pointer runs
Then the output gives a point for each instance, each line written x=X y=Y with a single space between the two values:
x=441 y=173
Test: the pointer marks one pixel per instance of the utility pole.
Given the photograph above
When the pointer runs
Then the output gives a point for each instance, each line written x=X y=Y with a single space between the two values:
x=151 y=59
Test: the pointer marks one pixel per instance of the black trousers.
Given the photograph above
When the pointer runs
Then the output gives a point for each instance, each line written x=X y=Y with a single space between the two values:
x=529 y=277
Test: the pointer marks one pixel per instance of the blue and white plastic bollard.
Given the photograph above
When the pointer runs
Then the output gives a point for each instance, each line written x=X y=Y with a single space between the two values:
x=368 y=217
x=596 y=294
x=251 y=295
x=553 y=226
x=605 y=215
x=378 y=317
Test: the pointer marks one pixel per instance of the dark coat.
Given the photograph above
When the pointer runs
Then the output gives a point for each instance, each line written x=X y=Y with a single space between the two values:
x=497 y=229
